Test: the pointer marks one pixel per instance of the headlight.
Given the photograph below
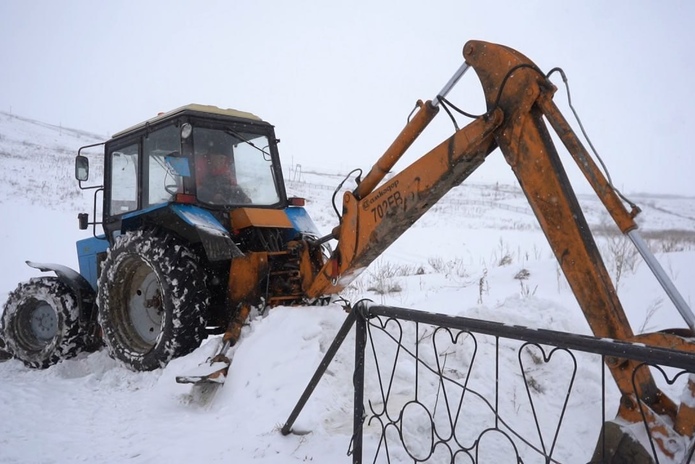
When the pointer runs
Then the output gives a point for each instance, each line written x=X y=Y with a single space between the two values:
x=186 y=130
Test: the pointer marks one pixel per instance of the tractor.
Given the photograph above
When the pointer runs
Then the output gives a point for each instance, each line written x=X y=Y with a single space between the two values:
x=193 y=201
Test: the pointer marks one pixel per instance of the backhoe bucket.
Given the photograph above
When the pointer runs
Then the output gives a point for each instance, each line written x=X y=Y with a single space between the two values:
x=215 y=372
x=664 y=437
x=616 y=446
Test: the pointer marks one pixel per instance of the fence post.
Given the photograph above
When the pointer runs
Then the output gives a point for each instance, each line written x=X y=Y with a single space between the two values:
x=358 y=382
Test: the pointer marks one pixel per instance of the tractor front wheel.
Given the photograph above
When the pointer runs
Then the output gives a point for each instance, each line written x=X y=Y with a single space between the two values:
x=152 y=300
x=40 y=323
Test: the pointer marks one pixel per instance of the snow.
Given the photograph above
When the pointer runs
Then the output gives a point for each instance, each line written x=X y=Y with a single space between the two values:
x=461 y=259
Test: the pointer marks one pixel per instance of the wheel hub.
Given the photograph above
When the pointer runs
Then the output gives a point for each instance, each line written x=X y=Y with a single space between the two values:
x=145 y=309
x=44 y=322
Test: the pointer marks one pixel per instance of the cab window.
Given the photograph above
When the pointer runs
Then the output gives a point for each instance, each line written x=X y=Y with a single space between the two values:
x=160 y=181
x=124 y=179
x=233 y=168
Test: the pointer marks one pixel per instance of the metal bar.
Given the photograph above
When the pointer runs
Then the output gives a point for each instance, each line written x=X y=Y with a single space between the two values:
x=605 y=346
x=663 y=279
x=417 y=356
x=358 y=383
x=327 y=358
x=598 y=181
x=497 y=382
x=603 y=406
x=452 y=82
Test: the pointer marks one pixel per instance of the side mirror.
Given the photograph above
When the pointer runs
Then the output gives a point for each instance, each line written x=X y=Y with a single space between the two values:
x=83 y=221
x=81 y=168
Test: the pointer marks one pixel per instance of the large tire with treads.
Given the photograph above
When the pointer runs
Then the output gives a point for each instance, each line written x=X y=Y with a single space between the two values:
x=40 y=323
x=152 y=299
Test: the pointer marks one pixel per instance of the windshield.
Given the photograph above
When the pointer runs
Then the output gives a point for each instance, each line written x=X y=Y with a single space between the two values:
x=233 y=168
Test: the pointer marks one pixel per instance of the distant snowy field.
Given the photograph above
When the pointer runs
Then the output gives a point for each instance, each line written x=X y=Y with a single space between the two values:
x=460 y=259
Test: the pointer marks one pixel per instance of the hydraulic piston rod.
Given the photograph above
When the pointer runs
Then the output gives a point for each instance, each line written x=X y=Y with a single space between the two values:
x=452 y=82
x=663 y=279
x=427 y=111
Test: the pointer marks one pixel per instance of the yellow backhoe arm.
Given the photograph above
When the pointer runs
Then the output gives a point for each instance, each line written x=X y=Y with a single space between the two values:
x=373 y=220
x=518 y=97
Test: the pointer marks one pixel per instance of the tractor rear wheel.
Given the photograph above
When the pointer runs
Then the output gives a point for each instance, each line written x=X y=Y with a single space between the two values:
x=152 y=300
x=40 y=323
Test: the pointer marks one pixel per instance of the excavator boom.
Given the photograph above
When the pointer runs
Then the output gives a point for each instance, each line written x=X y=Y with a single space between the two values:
x=519 y=101
x=370 y=224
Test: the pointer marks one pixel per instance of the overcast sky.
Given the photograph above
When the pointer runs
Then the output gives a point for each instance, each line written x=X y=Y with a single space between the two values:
x=338 y=79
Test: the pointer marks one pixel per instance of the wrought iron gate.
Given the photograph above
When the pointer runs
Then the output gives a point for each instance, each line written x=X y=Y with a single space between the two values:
x=425 y=400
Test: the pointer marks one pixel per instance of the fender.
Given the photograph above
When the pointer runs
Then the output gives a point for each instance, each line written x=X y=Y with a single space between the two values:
x=215 y=238
x=194 y=223
x=84 y=293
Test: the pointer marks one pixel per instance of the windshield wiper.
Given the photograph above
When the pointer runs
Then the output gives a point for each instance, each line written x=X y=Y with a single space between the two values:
x=243 y=139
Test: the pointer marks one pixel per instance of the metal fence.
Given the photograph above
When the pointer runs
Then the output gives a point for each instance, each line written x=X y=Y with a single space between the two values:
x=436 y=388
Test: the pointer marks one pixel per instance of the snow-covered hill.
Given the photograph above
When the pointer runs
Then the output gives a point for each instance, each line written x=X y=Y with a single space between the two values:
x=461 y=258
x=36 y=162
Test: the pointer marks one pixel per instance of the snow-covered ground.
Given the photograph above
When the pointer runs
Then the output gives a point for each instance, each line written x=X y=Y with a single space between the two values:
x=463 y=258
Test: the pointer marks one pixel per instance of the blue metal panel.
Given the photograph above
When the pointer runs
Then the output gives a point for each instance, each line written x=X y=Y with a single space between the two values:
x=141 y=212
x=191 y=214
x=301 y=220
x=87 y=250
x=198 y=217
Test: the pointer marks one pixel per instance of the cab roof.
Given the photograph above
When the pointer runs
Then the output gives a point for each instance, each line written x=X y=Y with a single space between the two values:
x=192 y=108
